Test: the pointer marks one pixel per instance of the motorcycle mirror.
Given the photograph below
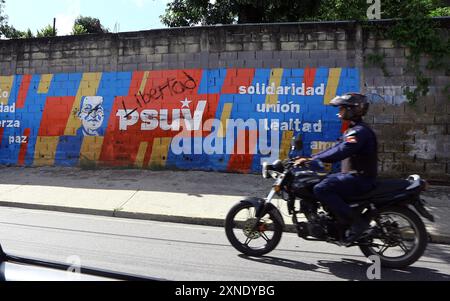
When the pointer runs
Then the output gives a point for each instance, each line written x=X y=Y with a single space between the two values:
x=297 y=143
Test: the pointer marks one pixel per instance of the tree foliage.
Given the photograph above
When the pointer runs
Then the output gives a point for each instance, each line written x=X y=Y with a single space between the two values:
x=78 y=29
x=8 y=31
x=4 y=29
x=206 y=12
x=82 y=25
x=47 y=31
x=85 y=25
x=2 y=16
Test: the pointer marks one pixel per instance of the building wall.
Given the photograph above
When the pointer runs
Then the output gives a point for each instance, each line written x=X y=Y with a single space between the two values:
x=136 y=83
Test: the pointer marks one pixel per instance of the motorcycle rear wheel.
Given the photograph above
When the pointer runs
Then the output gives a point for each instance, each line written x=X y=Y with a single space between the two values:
x=240 y=230
x=412 y=239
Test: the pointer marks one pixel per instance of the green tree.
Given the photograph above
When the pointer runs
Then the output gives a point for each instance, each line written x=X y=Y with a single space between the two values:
x=204 y=12
x=28 y=34
x=331 y=10
x=47 y=31
x=2 y=16
x=356 y=9
x=8 y=31
x=89 y=24
x=440 y=12
x=4 y=30
x=78 y=29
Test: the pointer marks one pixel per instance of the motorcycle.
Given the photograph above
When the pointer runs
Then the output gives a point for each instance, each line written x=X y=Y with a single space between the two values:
x=396 y=234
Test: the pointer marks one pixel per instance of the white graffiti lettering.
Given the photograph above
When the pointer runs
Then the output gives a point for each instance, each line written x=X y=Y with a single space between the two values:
x=293 y=125
x=319 y=146
x=278 y=108
x=152 y=119
x=9 y=124
x=294 y=90
x=18 y=140
x=187 y=143
x=7 y=109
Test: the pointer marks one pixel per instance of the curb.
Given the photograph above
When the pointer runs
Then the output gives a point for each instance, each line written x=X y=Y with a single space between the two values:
x=212 y=222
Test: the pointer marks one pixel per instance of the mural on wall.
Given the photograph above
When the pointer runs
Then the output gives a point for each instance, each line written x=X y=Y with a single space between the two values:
x=221 y=119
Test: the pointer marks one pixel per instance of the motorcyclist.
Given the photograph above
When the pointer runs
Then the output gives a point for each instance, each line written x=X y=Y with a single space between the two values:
x=358 y=151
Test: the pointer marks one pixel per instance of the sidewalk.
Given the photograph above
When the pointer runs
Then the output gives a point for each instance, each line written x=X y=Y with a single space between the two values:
x=186 y=197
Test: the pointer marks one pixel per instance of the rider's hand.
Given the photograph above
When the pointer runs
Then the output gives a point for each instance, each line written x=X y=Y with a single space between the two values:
x=302 y=161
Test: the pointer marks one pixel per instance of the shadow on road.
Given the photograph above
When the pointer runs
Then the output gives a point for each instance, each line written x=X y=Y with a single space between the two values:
x=283 y=262
x=354 y=270
x=351 y=269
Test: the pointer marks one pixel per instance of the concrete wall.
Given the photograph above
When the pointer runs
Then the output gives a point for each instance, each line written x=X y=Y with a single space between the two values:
x=51 y=80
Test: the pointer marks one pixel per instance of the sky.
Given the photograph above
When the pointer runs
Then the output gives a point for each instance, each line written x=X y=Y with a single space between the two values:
x=116 y=15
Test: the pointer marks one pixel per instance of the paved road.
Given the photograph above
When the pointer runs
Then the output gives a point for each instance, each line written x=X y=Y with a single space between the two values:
x=189 y=253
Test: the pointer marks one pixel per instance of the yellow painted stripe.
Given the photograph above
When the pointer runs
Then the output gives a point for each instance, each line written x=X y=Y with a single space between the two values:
x=160 y=151
x=144 y=82
x=92 y=76
x=88 y=87
x=275 y=78
x=333 y=83
x=44 y=84
x=285 y=146
x=6 y=83
x=45 y=149
x=141 y=155
x=226 y=113
x=91 y=149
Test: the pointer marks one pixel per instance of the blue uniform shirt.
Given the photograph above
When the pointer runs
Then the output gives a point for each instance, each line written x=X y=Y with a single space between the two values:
x=358 y=151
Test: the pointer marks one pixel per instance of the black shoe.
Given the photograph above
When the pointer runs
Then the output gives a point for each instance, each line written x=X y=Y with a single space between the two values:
x=356 y=231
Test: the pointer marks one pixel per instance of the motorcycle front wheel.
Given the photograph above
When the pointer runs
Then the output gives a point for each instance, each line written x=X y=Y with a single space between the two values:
x=400 y=238
x=249 y=236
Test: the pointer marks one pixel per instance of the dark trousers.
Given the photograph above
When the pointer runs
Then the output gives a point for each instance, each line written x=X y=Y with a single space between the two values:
x=332 y=191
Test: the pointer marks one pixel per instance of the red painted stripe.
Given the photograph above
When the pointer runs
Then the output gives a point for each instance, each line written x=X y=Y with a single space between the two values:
x=236 y=78
x=310 y=77
x=23 y=91
x=243 y=162
x=1 y=135
x=56 y=113
x=23 y=148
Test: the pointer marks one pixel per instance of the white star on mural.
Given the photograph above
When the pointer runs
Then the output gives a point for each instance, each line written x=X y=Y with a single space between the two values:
x=185 y=103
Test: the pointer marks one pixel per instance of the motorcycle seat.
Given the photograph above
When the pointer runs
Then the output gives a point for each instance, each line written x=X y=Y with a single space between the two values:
x=382 y=188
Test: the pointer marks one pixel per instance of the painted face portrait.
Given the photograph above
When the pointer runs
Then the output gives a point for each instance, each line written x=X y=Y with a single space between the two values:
x=92 y=115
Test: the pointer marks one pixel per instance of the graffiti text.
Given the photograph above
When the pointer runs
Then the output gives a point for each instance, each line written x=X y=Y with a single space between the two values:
x=152 y=119
x=171 y=87
x=278 y=108
x=263 y=89
x=9 y=124
x=17 y=139
x=7 y=109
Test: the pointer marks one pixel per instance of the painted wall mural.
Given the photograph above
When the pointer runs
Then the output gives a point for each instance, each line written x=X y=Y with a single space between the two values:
x=221 y=119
